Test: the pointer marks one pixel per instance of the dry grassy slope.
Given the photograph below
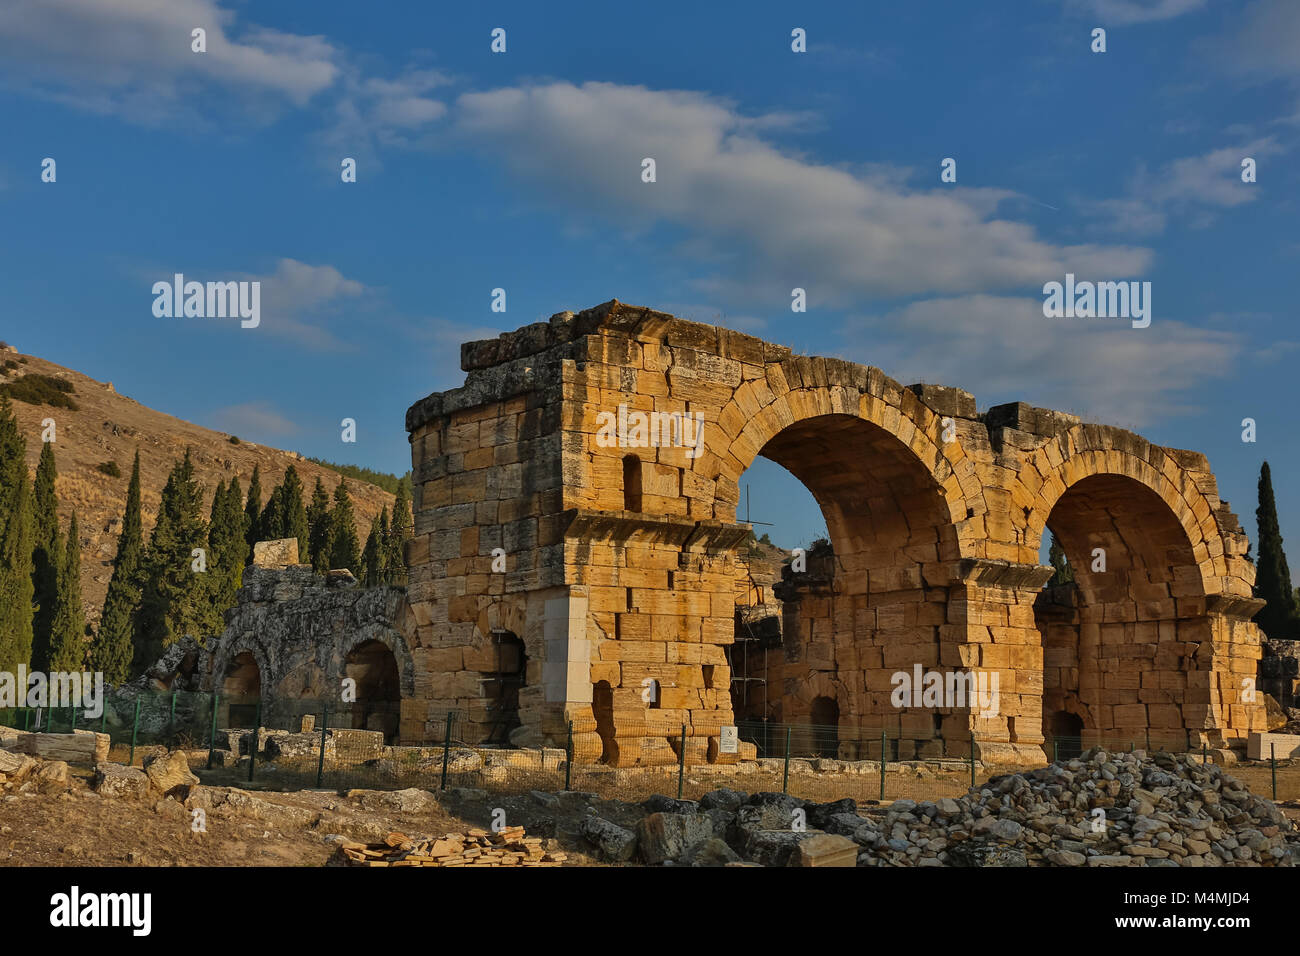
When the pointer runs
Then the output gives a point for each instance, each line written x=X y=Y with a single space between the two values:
x=107 y=426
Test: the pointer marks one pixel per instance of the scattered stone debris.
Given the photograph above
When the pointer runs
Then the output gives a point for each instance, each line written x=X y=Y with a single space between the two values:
x=509 y=847
x=1101 y=809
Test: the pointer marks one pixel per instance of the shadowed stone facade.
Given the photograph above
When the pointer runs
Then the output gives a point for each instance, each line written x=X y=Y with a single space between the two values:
x=604 y=568
x=293 y=638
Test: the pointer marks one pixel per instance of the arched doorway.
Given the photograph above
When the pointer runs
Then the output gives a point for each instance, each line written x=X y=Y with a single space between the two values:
x=373 y=667
x=825 y=720
x=1121 y=641
x=241 y=690
x=872 y=600
x=502 y=684
x=1064 y=733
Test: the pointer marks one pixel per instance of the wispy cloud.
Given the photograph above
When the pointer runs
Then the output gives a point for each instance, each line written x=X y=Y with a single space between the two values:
x=792 y=221
x=253 y=420
x=299 y=300
x=1003 y=349
x=1194 y=187
x=134 y=57
x=1123 y=12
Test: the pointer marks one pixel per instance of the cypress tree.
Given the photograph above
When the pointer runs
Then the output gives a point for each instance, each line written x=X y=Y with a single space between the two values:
x=226 y=544
x=253 y=513
x=114 y=646
x=344 y=552
x=318 y=529
x=372 y=568
x=295 y=515
x=16 y=540
x=175 y=600
x=1056 y=556
x=68 y=645
x=47 y=556
x=398 y=533
x=272 y=523
x=1277 y=619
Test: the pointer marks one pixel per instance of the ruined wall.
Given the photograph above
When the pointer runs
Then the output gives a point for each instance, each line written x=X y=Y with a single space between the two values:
x=294 y=635
x=617 y=557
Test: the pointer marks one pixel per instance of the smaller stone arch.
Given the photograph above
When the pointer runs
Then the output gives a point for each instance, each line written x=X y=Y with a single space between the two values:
x=380 y=632
x=241 y=689
x=372 y=666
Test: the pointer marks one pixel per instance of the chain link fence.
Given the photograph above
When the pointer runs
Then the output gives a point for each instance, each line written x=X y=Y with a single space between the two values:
x=315 y=744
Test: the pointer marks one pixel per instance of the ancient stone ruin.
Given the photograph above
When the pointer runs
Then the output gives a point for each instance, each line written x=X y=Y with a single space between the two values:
x=576 y=546
x=290 y=642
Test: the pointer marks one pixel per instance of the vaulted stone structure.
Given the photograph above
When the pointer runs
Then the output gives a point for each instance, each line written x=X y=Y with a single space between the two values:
x=576 y=502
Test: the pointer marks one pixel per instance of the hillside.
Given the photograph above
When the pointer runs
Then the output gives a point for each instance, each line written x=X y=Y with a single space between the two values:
x=108 y=426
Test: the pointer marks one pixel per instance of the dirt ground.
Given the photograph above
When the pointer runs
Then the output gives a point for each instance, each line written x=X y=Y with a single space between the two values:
x=260 y=826
x=81 y=828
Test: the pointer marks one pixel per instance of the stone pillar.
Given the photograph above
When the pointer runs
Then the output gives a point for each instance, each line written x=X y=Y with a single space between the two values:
x=1224 y=706
x=992 y=602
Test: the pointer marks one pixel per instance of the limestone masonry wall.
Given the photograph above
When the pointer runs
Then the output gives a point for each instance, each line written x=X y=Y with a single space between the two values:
x=566 y=569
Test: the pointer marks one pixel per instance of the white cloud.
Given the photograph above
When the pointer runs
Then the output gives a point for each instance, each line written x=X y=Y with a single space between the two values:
x=1268 y=42
x=1003 y=349
x=840 y=234
x=133 y=57
x=1122 y=12
x=296 y=291
x=252 y=420
x=1194 y=186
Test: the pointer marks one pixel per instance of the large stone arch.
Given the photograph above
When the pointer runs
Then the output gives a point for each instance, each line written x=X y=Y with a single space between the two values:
x=1155 y=647
x=1065 y=460
x=803 y=389
x=624 y=553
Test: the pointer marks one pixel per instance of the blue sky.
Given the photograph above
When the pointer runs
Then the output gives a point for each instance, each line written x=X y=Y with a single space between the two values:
x=776 y=169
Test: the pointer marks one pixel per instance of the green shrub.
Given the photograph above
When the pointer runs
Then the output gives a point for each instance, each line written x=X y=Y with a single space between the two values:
x=234 y=439
x=110 y=468
x=35 y=389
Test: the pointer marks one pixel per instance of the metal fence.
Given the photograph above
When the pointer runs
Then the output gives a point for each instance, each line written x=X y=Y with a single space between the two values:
x=316 y=744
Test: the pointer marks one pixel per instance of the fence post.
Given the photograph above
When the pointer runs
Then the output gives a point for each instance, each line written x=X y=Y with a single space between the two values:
x=72 y=718
x=324 y=729
x=171 y=721
x=103 y=717
x=681 y=764
x=212 y=735
x=1272 y=759
x=1056 y=750
x=135 y=727
x=884 y=740
x=252 y=747
x=446 y=752
x=27 y=718
x=1205 y=754
x=972 y=760
x=568 y=761
x=785 y=781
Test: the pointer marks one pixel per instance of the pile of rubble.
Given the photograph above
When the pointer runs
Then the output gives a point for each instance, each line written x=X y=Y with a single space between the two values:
x=509 y=847
x=1101 y=809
